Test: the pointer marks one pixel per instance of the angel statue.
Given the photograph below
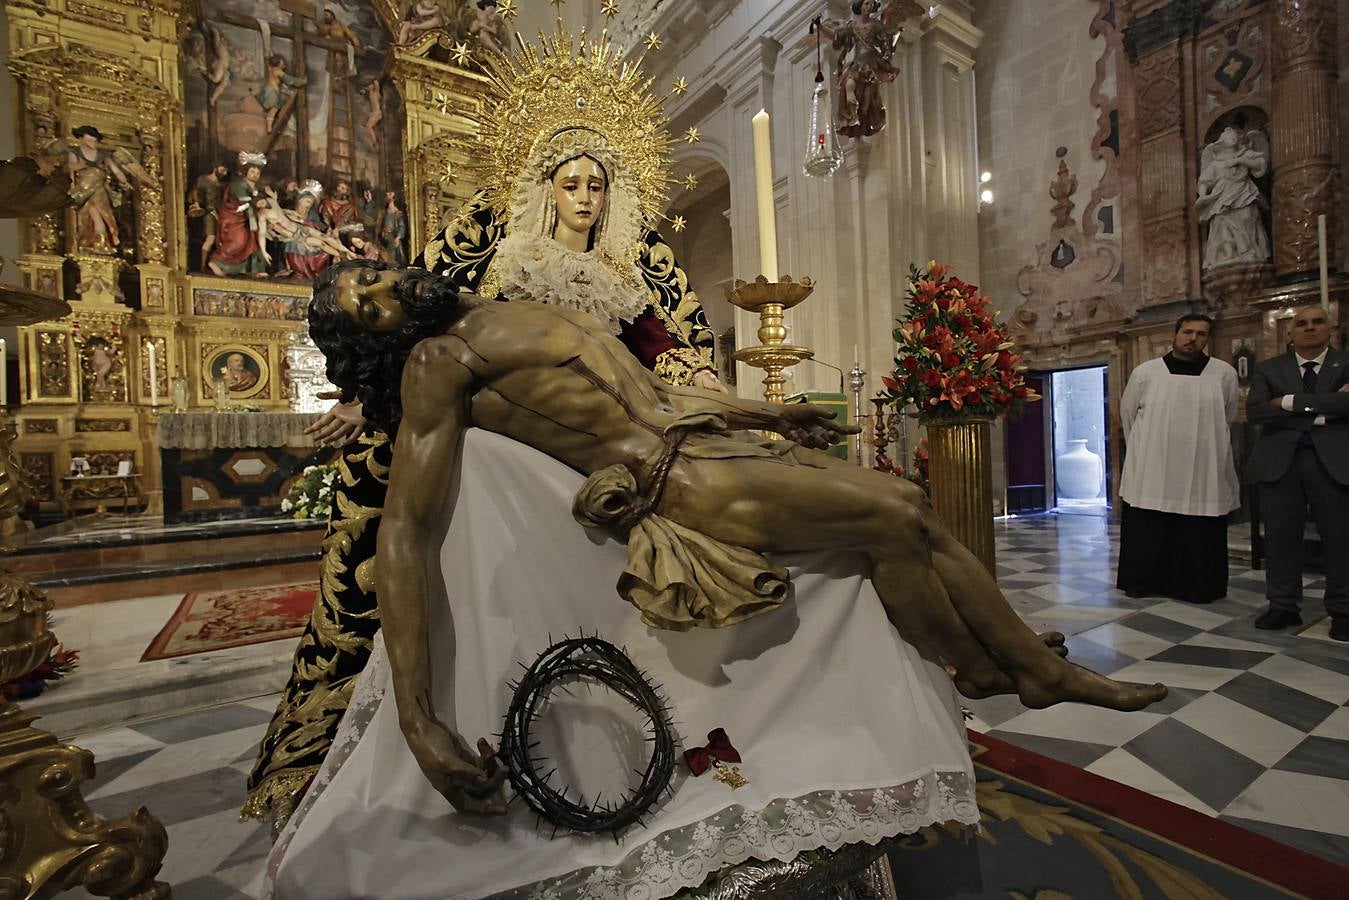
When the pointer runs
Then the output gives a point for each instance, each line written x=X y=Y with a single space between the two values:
x=91 y=170
x=865 y=45
x=1229 y=199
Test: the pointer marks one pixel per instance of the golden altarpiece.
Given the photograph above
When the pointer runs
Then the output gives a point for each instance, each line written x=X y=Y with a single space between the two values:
x=156 y=105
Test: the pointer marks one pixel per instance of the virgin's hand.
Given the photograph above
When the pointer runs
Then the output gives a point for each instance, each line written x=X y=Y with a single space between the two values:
x=340 y=425
x=708 y=381
x=466 y=779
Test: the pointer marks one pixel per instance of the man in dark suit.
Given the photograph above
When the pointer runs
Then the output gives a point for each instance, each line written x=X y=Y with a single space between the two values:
x=1301 y=402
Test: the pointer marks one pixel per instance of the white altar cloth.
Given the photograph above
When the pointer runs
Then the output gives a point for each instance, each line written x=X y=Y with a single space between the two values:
x=847 y=734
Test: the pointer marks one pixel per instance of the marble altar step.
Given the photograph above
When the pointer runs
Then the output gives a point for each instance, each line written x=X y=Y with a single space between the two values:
x=206 y=570
x=93 y=560
x=109 y=540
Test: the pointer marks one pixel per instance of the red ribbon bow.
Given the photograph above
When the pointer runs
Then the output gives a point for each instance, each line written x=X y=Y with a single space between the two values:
x=718 y=749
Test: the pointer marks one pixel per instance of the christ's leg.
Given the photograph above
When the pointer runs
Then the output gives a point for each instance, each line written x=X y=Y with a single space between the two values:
x=934 y=591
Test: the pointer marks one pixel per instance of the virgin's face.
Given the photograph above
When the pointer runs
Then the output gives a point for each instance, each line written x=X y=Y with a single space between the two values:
x=579 y=191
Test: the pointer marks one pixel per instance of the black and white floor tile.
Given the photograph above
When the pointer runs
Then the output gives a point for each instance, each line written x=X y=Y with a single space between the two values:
x=1255 y=730
x=1256 y=727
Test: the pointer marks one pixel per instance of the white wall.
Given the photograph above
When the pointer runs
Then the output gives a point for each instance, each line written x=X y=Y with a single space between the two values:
x=1035 y=70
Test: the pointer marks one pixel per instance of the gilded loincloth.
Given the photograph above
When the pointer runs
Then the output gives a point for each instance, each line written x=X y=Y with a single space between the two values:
x=677 y=577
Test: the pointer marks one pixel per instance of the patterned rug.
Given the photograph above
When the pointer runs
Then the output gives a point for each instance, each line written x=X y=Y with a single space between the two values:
x=223 y=619
x=1052 y=831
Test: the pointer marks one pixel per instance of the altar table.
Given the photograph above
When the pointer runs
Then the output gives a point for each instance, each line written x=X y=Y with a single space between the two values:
x=230 y=465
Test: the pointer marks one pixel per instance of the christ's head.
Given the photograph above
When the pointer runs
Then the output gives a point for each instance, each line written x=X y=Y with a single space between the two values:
x=366 y=317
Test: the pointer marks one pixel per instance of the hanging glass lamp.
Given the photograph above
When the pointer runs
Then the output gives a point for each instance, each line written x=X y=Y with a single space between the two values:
x=822 y=156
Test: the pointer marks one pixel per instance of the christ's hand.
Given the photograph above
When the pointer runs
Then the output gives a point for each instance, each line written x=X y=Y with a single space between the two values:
x=812 y=426
x=466 y=779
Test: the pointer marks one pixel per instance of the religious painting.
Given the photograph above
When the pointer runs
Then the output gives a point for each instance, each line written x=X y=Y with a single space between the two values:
x=243 y=369
x=210 y=301
x=294 y=140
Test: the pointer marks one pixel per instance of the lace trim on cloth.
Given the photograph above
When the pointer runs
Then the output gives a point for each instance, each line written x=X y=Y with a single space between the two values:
x=686 y=857
x=536 y=268
x=365 y=700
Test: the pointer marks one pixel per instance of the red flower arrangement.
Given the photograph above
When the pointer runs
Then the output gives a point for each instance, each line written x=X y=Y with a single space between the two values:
x=954 y=359
x=917 y=473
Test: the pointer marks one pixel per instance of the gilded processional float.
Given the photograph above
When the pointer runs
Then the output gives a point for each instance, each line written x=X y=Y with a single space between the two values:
x=221 y=153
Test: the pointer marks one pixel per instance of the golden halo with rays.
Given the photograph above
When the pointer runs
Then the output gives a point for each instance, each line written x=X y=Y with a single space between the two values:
x=566 y=83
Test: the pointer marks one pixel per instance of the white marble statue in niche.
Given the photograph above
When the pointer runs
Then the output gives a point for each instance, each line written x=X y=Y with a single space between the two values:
x=1229 y=199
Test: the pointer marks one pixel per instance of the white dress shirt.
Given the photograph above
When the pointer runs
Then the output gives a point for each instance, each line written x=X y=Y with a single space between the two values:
x=1287 y=402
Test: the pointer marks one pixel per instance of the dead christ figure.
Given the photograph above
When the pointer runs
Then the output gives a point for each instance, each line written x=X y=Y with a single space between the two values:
x=552 y=379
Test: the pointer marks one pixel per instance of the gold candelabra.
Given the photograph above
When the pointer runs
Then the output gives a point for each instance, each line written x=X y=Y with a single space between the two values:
x=770 y=299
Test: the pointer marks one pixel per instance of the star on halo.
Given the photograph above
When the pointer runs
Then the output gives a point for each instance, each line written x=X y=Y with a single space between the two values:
x=678 y=224
x=461 y=53
x=652 y=41
x=690 y=181
x=506 y=8
x=692 y=136
x=681 y=86
x=610 y=8
x=442 y=101
x=447 y=175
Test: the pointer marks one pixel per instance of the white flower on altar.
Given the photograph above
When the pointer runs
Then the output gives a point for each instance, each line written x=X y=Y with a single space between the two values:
x=286 y=505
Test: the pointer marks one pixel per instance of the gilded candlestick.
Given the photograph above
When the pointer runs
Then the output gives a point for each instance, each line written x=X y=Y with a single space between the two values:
x=770 y=299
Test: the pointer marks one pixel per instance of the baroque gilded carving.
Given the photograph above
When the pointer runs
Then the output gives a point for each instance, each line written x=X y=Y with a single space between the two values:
x=39 y=474
x=53 y=362
x=102 y=361
x=151 y=240
x=97 y=425
x=39 y=426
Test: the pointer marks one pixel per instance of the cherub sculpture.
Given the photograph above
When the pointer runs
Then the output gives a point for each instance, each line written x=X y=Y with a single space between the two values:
x=489 y=28
x=865 y=45
x=1229 y=199
x=422 y=16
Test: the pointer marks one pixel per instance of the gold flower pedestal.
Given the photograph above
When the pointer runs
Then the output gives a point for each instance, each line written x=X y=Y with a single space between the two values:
x=50 y=841
x=770 y=299
x=960 y=482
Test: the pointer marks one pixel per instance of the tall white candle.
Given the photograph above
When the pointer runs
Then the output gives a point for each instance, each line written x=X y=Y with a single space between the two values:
x=763 y=195
x=1321 y=253
x=4 y=376
x=154 y=377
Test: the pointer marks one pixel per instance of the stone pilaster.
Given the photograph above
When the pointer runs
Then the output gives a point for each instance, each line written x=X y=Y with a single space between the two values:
x=1302 y=130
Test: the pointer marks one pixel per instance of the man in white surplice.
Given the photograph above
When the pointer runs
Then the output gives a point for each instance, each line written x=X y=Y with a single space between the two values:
x=1179 y=481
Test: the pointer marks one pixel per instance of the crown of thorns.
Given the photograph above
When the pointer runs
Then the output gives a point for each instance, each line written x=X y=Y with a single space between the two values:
x=593 y=659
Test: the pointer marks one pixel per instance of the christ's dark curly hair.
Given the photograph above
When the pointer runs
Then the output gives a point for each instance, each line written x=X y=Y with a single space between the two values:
x=368 y=365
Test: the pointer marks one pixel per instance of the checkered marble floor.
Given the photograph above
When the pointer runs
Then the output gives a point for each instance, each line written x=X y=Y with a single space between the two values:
x=1256 y=727
x=1255 y=730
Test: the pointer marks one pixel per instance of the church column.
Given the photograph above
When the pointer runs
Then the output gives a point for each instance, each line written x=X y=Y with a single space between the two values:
x=1302 y=130
x=950 y=131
